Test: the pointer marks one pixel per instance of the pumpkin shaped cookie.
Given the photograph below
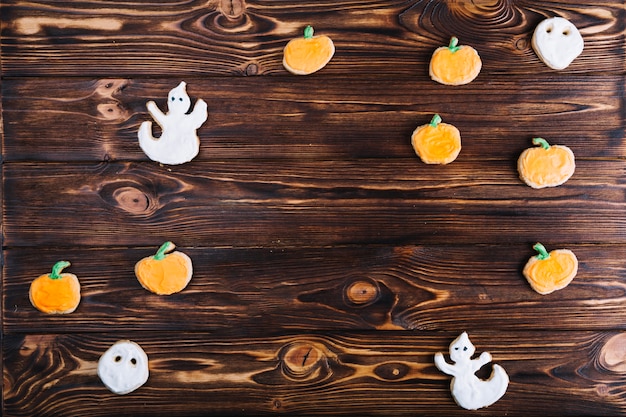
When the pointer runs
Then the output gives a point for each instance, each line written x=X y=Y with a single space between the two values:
x=166 y=272
x=546 y=165
x=436 y=142
x=56 y=292
x=454 y=64
x=548 y=272
x=306 y=55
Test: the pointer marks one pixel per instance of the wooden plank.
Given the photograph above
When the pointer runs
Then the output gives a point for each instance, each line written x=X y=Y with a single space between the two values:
x=42 y=38
x=551 y=373
x=265 y=290
x=316 y=118
x=306 y=204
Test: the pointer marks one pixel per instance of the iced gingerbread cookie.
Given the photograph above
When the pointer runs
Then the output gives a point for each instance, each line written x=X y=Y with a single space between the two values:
x=557 y=42
x=56 y=292
x=123 y=367
x=454 y=64
x=468 y=390
x=546 y=165
x=166 y=272
x=548 y=272
x=436 y=142
x=306 y=55
x=179 y=142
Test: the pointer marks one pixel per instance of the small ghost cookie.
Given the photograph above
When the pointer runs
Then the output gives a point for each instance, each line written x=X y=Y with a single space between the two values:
x=436 y=142
x=179 y=142
x=306 y=55
x=468 y=390
x=454 y=64
x=166 y=272
x=557 y=42
x=56 y=292
x=546 y=165
x=548 y=272
x=123 y=367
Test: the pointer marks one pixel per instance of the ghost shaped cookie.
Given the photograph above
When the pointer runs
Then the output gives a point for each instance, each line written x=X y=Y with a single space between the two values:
x=468 y=390
x=557 y=42
x=123 y=367
x=179 y=142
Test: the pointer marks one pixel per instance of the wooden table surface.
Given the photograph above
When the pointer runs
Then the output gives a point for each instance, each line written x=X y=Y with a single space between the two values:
x=330 y=263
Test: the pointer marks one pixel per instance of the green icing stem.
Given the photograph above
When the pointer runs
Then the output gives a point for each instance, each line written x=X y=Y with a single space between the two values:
x=543 y=253
x=57 y=268
x=541 y=141
x=308 y=32
x=435 y=120
x=453 y=46
x=162 y=250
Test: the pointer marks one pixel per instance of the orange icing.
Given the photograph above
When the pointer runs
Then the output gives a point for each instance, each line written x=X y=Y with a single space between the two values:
x=166 y=276
x=551 y=167
x=455 y=68
x=439 y=144
x=554 y=273
x=306 y=55
x=53 y=296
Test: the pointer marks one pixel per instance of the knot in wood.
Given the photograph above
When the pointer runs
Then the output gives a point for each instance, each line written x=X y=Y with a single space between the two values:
x=301 y=360
x=131 y=200
x=362 y=293
x=613 y=353
x=392 y=371
x=112 y=112
x=232 y=9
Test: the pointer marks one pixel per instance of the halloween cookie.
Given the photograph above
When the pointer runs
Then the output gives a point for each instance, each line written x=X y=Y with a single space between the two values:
x=306 y=55
x=546 y=165
x=454 y=64
x=123 y=367
x=557 y=42
x=56 y=292
x=166 y=272
x=548 y=272
x=179 y=142
x=436 y=142
x=468 y=390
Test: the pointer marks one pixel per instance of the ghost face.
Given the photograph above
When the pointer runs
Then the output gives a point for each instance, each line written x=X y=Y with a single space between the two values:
x=461 y=349
x=124 y=367
x=557 y=42
x=178 y=102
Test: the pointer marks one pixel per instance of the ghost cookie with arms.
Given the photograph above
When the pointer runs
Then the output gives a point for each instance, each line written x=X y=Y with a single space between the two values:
x=179 y=142
x=557 y=42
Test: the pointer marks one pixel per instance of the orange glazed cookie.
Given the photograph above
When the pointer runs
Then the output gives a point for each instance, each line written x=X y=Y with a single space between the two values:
x=455 y=65
x=545 y=165
x=548 y=272
x=166 y=272
x=436 y=142
x=55 y=293
x=304 y=56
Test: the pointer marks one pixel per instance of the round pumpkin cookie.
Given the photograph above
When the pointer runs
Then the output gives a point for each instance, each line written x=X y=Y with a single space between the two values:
x=306 y=55
x=546 y=165
x=454 y=64
x=56 y=292
x=548 y=272
x=166 y=272
x=436 y=142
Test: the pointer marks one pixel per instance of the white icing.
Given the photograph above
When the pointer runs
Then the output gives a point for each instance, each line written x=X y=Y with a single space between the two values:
x=557 y=42
x=179 y=142
x=123 y=367
x=468 y=391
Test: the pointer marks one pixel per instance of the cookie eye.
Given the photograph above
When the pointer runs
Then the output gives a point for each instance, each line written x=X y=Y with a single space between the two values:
x=549 y=29
x=118 y=358
x=456 y=348
x=173 y=98
x=133 y=361
x=566 y=32
x=180 y=99
x=464 y=348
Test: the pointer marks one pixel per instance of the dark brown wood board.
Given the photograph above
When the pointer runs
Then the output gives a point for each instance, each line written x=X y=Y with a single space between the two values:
x=330 y=263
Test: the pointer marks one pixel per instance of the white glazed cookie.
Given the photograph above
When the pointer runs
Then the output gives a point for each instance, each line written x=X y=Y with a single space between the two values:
x=557 y=42
x=123 y=367
x=179 y=142
x=468 y=391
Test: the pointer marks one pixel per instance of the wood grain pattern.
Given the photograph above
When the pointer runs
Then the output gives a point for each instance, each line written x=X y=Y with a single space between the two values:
x=248 y=291
x=317 y=118
x=330 y=264
x=309 y=374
